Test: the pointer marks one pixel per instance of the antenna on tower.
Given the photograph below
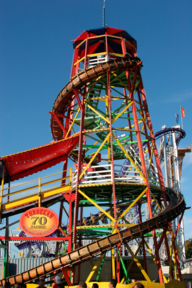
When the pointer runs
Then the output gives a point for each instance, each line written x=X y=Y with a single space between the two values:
x=103 y=13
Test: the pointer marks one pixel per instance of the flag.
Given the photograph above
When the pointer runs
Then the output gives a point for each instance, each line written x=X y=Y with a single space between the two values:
x=182 y=112
x=177 y=118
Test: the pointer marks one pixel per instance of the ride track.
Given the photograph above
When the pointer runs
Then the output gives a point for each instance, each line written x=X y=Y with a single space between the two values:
x=175 y=208
x=67 y=93
x=181 y=135
x=162 y=220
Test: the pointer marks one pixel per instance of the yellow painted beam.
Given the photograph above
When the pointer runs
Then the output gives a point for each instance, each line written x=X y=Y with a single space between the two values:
x=113 y=263
x=146 y=284
x=126 y=225
x=170 y=256
x=156 y=201
x=96 y=205
x=94 y=268
x=92 y=159
x=72 y=123
x=80 y=43
x=79 y=60
x=91 y=262
x=174 y=263
x=131 y=263
x=96 y=54
x=138 y=263
x=152 y=150
x=144 y=120
x=154 y=260
x=96 y=112
x=132 y=204
x=131 y=160
x=31 y=198
x=126 y=107
x=116 y=54
x=120 y=81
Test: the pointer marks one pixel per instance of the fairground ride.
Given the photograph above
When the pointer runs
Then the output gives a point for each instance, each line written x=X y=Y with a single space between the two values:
x=100 y=120
x=171 y=159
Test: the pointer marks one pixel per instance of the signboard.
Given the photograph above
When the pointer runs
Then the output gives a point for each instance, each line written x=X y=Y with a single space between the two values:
x=39 y=222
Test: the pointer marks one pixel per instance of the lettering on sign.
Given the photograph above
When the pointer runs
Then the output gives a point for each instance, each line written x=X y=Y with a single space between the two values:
x=39 y=222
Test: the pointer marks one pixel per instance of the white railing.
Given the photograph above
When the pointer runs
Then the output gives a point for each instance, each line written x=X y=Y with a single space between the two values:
x=95 y=60
x=102 y=58
x=122 y=173
x=103 y=174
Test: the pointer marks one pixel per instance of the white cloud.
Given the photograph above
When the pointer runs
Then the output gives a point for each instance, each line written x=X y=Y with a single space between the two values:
x=184 y=179
x=187 y=161
x=180 y=97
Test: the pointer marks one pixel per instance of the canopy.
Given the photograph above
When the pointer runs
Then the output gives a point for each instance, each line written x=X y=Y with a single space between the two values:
x=102 y=31
x=34 y=160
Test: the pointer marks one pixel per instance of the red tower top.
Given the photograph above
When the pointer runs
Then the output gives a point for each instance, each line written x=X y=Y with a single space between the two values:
x=101 y=45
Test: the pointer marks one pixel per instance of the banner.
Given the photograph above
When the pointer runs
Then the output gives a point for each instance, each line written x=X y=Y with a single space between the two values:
x=39 y=222
x=182 y=112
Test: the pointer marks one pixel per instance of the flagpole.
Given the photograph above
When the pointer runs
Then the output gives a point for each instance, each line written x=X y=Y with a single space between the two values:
x=181 y=118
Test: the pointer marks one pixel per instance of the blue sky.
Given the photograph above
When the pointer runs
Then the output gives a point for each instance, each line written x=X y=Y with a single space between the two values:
x=36 y=55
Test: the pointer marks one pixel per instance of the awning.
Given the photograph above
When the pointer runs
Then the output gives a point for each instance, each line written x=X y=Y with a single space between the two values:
x=34 y=160
x=102 y=31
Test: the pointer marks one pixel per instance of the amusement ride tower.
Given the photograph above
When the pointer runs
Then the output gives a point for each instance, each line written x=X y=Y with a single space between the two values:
x=116 y=160
x=100 y=120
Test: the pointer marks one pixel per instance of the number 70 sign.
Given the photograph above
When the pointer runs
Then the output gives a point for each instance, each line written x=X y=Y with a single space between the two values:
x=39 y=221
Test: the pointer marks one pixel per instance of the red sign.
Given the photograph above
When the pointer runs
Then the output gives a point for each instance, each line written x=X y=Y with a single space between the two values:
x=39 y=221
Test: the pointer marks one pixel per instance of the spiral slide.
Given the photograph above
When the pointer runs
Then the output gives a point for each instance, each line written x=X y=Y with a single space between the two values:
x=175 y=208
x=176 y=201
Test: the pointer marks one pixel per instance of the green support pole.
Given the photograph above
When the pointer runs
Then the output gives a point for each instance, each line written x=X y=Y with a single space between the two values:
x=4 y=268
x=99 y=272
x=128 y=280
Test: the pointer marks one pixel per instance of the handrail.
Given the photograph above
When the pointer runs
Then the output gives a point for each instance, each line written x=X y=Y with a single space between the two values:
x=37 y=188
x=97 y=54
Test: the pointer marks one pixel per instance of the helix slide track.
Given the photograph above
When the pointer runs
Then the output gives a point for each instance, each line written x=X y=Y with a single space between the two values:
x=174 y=209
x=176 y=201
x=90 y=74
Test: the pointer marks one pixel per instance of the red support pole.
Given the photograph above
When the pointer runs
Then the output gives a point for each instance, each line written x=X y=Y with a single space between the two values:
x=118 y=270
x=140 y=143
x=59 y=123
x=162 y=236
x=153 y=138
x=128 y=114
x=145 y=128
x=61 y=204
x=111 y=143
x=177 y=260
x=78 y=181
x=78 y=173
x=80 y=244
x=86 y=53
x=66 y=276
x=168 y=255
x=143 y=167
x=112 y=163
x=178 y=226
x=75 y=90
x=74 y=69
